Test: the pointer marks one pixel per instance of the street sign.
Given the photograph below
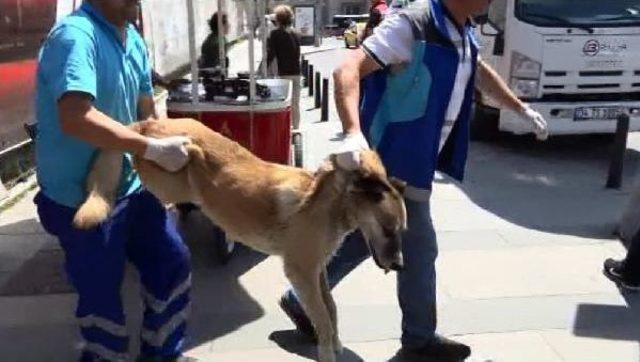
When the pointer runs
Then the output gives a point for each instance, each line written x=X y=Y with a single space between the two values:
x=305 y=23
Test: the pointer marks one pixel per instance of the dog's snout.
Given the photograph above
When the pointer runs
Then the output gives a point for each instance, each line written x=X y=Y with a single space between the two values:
x=397 y=266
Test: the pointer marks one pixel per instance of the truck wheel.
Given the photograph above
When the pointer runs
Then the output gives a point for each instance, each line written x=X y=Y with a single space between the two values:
x=484 y=124
x=297 y=150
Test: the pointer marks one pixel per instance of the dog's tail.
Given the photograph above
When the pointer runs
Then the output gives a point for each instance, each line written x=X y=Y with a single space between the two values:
x=102 y=184
x=103 y=181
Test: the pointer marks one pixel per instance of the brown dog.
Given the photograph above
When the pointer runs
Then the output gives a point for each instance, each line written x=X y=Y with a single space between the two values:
x=276 y=209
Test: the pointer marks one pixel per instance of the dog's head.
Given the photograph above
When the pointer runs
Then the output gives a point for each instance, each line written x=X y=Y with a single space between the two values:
x=377 y=208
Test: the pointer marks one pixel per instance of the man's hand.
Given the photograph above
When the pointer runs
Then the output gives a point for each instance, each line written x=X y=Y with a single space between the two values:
x=348 y=154
x=169 y=153
x=491 y=85
x=537 y=122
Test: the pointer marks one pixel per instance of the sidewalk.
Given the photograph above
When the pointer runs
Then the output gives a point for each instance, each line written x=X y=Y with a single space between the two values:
x=521 y=248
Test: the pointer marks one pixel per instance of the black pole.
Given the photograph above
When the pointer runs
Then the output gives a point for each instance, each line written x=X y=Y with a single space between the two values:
x=310 y=79
x=318 y=90
x=305 y=72
x=324 y=114
x=614 y=180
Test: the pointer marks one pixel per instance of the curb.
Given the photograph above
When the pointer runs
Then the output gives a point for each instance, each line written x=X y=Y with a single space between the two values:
x=319 y=50
x=17 y=193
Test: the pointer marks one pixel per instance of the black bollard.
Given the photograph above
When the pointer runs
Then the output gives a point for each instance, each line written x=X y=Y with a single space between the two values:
x=305 y=72
x=310 y=79
x=324 y=113
x=614 y=180
x=318 y=91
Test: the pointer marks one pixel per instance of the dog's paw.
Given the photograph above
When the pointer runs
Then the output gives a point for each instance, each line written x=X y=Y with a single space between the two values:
x=337 y=346
x=326 y=354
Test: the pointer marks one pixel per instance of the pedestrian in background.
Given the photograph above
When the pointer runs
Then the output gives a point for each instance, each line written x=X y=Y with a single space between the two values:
x=375 y=18
x=283 y=46
x=210 y=51
x=380 y=5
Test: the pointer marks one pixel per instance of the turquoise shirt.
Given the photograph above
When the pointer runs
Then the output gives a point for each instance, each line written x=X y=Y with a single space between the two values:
x=84 y=53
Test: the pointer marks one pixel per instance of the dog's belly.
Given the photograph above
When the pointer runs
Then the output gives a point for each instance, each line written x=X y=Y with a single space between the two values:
x=263 y=245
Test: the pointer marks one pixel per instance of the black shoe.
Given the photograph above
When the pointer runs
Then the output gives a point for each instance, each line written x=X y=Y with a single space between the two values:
x=438 y=349
x=614 y=270
x=297 y=316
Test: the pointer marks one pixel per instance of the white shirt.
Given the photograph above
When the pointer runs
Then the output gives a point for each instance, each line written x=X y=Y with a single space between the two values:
x=392 y=42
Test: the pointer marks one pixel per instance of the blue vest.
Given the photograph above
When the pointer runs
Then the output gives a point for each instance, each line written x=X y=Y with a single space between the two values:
x=402 y=111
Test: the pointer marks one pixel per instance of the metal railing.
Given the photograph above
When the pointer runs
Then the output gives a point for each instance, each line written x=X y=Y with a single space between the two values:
x=17 y=162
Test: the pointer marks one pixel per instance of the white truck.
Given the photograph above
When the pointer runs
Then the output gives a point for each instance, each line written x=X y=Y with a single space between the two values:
x=577 y=62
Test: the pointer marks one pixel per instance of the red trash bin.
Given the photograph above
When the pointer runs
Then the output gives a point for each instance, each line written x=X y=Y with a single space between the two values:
x=264 y=127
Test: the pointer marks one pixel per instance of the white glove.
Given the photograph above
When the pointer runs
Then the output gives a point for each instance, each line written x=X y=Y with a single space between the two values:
x=537 y=122
x=169 y=153
x=348 y=154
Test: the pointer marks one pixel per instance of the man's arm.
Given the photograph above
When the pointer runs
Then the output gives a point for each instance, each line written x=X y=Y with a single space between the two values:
x=347 y=87
x=391 y=43
x=491 y=84
x=147 y=108
x=78 y=118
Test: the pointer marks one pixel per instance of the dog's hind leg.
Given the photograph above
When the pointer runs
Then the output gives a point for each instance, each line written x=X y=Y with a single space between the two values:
x=306 y=282
x=331 y=307
x=102 y=185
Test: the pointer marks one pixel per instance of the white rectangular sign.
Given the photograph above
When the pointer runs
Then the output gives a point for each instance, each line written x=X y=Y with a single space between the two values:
x=305 y=20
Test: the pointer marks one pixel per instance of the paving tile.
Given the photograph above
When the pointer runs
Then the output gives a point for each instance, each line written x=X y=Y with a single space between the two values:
x=470 y=240
x=22 y=211
x=510 y=347
x=15 y=250
x=520 y=272
x=582 y=349
x=528 y=313
x=528 y=237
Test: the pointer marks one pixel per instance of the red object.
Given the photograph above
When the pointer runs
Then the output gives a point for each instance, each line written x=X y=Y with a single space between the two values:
x=18 y=78
x=268 y=136
x=380 y=5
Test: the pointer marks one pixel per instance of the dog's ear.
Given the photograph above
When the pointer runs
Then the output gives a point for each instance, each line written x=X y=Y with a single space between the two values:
x=372 y=187
x=398 y=184
x=342 y=162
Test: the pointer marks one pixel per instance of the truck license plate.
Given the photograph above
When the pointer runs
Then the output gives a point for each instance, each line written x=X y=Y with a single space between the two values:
x=597 y=113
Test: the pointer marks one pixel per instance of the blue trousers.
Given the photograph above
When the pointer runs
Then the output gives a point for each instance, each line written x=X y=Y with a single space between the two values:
x=139 y=230
x=416 y=282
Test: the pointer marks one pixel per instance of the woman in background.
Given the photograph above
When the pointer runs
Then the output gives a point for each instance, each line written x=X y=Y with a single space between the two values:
x=284 y=47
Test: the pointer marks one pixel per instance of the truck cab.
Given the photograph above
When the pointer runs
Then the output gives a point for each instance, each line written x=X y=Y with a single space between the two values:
x=577 y=62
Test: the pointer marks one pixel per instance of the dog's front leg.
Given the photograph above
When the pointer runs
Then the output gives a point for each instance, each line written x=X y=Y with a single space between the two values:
x=306 y=282
x=331 y=307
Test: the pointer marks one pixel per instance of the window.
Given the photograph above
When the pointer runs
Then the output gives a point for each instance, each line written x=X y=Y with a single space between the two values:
x=566 y=13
